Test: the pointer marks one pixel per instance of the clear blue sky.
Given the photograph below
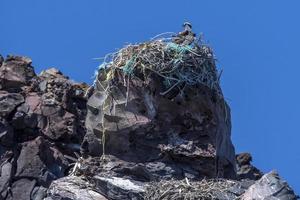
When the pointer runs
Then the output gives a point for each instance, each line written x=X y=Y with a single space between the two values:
x=256 y=42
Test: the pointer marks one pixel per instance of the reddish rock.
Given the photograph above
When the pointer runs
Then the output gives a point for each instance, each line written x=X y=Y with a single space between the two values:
x=188 y=132
x=34 y=112
x=40 y=160
x=16 y=71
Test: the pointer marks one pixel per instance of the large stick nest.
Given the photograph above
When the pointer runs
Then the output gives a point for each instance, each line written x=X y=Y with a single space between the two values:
x=178 y=65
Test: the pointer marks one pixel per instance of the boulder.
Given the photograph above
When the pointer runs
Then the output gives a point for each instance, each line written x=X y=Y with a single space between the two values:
x=39 y=193
x=40 y=160
x=72 y=188
x=270 y=186
x=91 y=145
x=61 y=126
x=9 y=102
x=52 y=73
x=245 y=170
x=190 y=131
x=119 y=188
x=16 y=71
x=58 y=112
x=21 y=189
x=64 y=110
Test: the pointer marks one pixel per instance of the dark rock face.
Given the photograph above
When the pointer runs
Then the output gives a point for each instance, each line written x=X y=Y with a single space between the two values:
x=244 y=168
x=21 y=189
x=6 y=134
x=41 y=120
x=41 y=161
x=8 y=102
x=156 y=137
x=144 y=138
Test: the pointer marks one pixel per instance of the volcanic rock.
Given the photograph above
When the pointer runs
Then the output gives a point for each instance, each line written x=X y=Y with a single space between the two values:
x=39 y=160
x=6 y=174
x=39 y=193
x=16 y=71
x=38 y=127
x=6 y=134
x=72 y=188
x=244 y=168
x=8 y=102
x=151 y=125
x=188 y=132
x=21 y=189
x=52 y=73
x=270 y=186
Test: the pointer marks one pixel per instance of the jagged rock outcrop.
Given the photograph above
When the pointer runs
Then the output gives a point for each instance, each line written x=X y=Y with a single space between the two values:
x=41 y=121
x=72 y=188
x=135 y=142
x=179 y=140
x=245 y=170
x=153 y=117
x=182 y=133
x=270 y=186
x=16 y=72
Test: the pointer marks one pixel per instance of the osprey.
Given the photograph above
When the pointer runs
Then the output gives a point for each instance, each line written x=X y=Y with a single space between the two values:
x=186 y=37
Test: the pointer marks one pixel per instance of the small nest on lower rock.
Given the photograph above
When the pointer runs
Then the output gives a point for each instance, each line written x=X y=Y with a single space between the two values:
x=185 y=190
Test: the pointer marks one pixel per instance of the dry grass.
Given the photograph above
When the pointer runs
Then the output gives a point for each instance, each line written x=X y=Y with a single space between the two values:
x=185 y=190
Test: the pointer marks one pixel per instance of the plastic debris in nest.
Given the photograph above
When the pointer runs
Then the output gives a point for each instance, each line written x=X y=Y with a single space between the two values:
x=184 y=190
x=177 y=64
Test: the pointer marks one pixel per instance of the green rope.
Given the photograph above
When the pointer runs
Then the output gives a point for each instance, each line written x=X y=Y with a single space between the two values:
x=129 y=66
x=178 y=48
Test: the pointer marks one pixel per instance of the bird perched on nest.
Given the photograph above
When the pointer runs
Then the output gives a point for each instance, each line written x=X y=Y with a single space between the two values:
x=186 y=37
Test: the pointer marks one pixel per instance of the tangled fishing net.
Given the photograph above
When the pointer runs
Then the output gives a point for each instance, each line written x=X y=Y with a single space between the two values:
x=178 y=65
x=184 y=190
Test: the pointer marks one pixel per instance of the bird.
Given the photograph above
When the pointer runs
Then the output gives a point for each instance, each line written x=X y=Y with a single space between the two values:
x=186 y=37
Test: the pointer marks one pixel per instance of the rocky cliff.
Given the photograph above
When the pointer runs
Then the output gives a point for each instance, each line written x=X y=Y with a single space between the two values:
x=155 y=125
x=41 y=122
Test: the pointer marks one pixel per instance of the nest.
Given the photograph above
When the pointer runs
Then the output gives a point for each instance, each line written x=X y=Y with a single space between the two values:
x=185 y=190
x=178 y=65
